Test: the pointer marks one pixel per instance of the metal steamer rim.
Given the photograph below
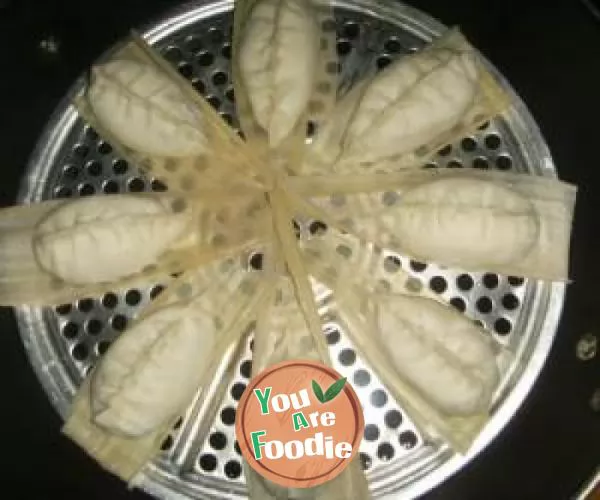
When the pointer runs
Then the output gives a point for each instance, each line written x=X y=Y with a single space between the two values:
x=70 y=160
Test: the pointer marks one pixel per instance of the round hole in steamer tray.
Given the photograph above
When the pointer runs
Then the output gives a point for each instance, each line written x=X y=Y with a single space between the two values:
x=385 y=452
x=481 y=163
x=86 y=189
x=156 y=291
x=333 y=336
x=246 y=369
x=110 y=187
x=468 y=144
x=490 y=280
x=392 y=46
x=233 y=469
x=64 y=309
x=133 y=297
x=392 y=264
x=110 y=300
x=93 y=326
x=85 y=305
x=256 y=261
x=371 y=432
x=70 y=172
x=492 y=141
x=510 y=302
x=70 y=330
x=365 y=461
x=445 y=151
x=418 y=266
x=214 y=101
x=465 y=282
x=484 y=305
x=502 y=326
x=217 y=440
x=102 y=347
x=63 y=192
x=119 y=322
x=228 y=415
x=104 y=148
x=81 y=150
x=136 y=185
x=438 y=284
x=237 y=390
x=515 y=281
x=344 y=47
x=80 y=352
x=186 y=70
x=199 y=85
x=158 y=186
x=205 y=59
x=219 y=78
x=193 y=44
x=91 y=134
x=383 y=62
x=378 y=398
x=347 y=357
x=226 y=51
x=208 y=462
x=172 y=53
x=120 y=167
x=362 y=378
x=393 y=419
x=458 y=303
x=167 y=443
x=504 y=162
x=408 y=440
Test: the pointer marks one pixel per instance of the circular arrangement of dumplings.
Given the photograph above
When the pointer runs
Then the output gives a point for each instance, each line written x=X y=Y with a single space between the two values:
x=227 y=196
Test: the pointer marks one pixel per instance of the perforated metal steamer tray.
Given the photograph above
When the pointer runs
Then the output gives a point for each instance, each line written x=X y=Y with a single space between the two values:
x=64 y=343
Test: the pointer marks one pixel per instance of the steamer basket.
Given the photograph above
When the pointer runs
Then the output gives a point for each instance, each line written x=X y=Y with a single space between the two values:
x=63 y=343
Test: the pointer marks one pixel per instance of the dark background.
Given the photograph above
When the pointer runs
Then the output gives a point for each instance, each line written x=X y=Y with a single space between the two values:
x=550 y=54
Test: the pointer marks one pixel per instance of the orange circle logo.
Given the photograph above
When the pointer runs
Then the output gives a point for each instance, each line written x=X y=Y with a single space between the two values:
x=299 y=424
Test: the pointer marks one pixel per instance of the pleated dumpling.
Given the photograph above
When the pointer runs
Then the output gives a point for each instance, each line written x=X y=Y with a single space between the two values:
x=145 y=109
x=278 y=55
x=411 y=103
x=441 y=352
x=152 y=371
x=466 y=220
x=101 y=239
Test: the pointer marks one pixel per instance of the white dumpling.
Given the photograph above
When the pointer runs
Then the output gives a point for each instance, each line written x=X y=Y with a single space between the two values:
x=278 y=56
x=452 y=221
x=152 y=371
x=411 y=103
x=101 y=239
x=441 y=352
x=145 y=110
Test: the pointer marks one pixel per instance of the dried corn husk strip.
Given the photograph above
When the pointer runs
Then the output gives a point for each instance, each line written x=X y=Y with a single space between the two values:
x=222 y=157
x=359 y=322
x=535 y=213
x=286 y=237
x=225 y=294
x=213 y=233
x=351 y=484
x=317 y=85
x=282 y=335
x=345 y=265
x=340 y=153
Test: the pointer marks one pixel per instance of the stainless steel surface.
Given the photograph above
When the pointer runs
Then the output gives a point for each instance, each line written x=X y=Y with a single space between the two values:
x=63 y=343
